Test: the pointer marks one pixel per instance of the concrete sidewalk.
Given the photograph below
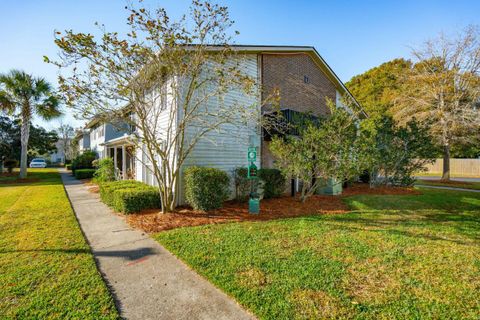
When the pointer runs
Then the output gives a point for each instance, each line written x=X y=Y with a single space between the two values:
x=146 y=280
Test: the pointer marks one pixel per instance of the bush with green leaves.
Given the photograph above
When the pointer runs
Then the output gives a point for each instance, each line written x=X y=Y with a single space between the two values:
x=135 y=199
x=84 y=161
x=10 y=164
x=272 y=183
x=107 y=189
x=242 y=184
x=206 y=188
x=327 y=148
x=105 y=170
x=84 y=173
x=395 y=153
x=68 y=167
x=129 y=196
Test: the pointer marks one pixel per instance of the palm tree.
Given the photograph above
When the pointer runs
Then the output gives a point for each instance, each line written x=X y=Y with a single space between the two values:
x=26 y=96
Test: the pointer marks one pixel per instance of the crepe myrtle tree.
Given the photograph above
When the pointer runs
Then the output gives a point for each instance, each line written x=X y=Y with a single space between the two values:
x=167 y=79
x=443 y=90
x=25 y=96
x=329 y=147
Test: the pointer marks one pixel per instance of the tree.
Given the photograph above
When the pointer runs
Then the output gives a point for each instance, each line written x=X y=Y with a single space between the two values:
x=443 y=89
x=27 y=96
x=378 y=88
x=166 y=79
x=41 y=141
x=66 y=133
x=394 y=153
x=325 y=148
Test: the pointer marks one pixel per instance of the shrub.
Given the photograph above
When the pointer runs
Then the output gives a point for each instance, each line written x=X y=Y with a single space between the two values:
x=84 y=173
x=135 y=199
x=242 y=184
x=84 y=161
x=68 y=166
x=274 y=182
x=107 y=189
x=10 y=164
x=206 y=188
x=105 y=170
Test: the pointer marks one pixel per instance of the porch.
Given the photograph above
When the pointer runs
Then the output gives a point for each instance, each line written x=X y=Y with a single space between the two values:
x=122 y=151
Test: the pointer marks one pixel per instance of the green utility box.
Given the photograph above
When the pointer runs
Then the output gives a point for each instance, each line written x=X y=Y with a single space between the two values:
x=332 y=188
x=254 y=205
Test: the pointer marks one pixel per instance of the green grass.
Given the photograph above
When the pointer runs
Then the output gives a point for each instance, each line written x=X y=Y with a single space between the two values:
x=453 y=184
x=393 y=257
x=46 y=267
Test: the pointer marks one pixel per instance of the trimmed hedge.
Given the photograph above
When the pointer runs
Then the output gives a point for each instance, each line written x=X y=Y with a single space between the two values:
x=206 y=188
x=68 y=167
x=107 y=189
x=84 y=173
x=128 y=196
x=274 y=182
x=135 y=199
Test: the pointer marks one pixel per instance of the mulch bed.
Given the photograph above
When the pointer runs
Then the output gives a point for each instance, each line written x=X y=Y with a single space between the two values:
x=283 y=207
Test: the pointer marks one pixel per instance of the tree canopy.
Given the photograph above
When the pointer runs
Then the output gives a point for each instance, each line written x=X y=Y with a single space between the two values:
x=377 y=88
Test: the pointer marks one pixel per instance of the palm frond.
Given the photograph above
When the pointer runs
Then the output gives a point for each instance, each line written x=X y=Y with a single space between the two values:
x=49 y=108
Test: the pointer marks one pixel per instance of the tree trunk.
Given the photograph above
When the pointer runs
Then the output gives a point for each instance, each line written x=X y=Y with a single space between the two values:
x=24 y=136
x=446 y=162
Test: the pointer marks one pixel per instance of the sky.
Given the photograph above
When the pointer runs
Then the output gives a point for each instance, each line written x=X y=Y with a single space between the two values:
x=352 y=36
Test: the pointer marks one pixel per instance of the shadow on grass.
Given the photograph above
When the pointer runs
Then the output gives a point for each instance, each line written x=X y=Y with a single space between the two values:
x=129 y=255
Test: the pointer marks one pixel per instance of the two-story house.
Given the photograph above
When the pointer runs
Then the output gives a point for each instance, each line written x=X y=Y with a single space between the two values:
x=304 y=81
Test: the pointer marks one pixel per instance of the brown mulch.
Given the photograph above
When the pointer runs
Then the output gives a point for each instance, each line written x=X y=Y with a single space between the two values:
x=283 y=207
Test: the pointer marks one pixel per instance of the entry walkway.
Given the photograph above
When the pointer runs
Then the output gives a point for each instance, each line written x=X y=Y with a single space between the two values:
x=146 y=280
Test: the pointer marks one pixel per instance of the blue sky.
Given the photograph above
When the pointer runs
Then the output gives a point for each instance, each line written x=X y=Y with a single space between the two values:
x=352 y=36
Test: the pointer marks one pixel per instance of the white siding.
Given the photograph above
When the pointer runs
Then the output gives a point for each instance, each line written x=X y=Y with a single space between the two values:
x=97 y=136
x=160 y=118
x=226 y=149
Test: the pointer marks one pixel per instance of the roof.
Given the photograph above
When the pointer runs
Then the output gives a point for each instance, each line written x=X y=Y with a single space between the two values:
x=311 y=51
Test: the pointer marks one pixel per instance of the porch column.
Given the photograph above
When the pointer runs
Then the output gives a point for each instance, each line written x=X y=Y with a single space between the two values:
x=124 y=163
x=115 y=159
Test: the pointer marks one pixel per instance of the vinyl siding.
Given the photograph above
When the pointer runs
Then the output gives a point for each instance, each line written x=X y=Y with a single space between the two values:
x=226 y=148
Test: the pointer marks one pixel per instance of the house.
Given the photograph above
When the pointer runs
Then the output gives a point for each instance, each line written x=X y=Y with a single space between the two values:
x=304 y=81
x=82 y=139
x=59 y=155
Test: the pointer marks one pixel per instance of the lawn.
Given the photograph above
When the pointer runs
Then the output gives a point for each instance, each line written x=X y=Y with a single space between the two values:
x=403 y=257
x=46 y=267
x=452 y=183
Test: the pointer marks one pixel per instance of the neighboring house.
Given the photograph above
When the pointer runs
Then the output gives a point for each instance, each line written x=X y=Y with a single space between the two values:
x=304 y=81
x=109 y=139
x=59 y=155
x=82 y=138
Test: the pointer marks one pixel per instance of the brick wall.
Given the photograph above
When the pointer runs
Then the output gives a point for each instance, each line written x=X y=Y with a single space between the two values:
x=302 y=85
x=286 y=73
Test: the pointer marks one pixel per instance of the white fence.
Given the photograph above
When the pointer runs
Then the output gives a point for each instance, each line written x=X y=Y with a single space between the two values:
x=459 y=167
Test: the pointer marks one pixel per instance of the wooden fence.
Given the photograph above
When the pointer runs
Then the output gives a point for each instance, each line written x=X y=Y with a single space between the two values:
x=458 y=167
